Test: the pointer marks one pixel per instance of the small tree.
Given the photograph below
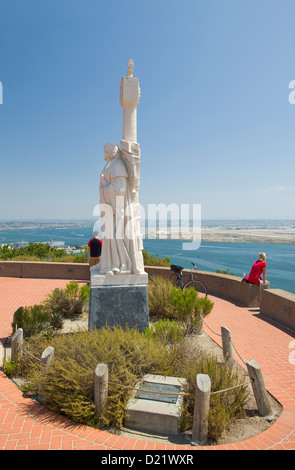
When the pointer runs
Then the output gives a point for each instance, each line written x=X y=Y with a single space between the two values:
x=191 y=308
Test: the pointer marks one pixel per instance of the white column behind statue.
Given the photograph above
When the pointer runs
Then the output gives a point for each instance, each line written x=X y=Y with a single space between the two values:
x=129 y=100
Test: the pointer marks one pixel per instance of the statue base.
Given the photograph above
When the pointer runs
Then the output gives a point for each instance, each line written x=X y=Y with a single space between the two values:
x=118 y=301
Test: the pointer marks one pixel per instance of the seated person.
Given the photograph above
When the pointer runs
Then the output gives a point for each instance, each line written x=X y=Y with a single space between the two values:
x=258 y=269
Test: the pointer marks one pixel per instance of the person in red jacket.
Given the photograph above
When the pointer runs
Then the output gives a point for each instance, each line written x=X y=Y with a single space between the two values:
x=258 y=269
x=94 y=249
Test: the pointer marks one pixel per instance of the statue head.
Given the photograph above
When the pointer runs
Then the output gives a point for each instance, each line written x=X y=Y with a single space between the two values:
x=111 y=151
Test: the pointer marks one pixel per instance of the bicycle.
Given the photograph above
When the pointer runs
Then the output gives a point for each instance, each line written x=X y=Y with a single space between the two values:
x=177 y=279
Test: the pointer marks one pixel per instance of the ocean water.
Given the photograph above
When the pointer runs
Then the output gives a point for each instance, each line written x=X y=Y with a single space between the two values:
x=236 y=257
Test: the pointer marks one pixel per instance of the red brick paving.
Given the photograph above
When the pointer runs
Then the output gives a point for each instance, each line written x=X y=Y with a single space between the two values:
x=26 y=425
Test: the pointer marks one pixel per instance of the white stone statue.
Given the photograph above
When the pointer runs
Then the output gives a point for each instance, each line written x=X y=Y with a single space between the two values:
x=118 y=190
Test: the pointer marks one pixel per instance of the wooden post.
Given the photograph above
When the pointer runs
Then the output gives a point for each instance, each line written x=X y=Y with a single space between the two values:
x=46 y=358
x=227 y=345
x=258 y=387
x=201 y=410
x=16 y=342
x=101 y=377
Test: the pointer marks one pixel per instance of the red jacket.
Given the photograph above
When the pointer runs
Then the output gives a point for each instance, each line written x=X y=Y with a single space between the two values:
x=256 y=271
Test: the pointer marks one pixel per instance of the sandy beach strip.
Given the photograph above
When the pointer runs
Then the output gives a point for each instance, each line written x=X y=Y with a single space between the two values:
x=218 y=234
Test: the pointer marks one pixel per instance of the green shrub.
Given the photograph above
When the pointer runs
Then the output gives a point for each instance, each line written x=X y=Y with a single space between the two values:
x=166 y=331
x=69 y=383
x=159 y=301
x=33 y=320
x=50 y=314
x=10 y=367
x=204 y=306
x=56 y=321
x=220 y=271
x=68 y=302
x=36 y=319
x=225 y=407
x=151 y=260
x=185 y=306
x=84 y=292
x=36 y=251
x=185 y=302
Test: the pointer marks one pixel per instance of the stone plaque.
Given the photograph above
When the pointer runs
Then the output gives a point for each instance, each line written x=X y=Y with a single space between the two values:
x=159 y=387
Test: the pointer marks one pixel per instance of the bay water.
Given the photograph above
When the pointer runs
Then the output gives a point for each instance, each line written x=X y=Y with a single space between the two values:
x=237 y=258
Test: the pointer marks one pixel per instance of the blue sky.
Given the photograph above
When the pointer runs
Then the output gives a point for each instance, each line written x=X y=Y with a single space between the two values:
x=215 y=124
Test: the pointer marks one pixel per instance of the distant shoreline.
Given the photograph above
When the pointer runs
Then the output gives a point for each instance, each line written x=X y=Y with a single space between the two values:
x=278 y=236
x=222 y=231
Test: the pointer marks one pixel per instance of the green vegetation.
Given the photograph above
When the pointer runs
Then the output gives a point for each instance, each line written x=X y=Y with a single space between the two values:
x=41 y=252
x=165 y=331
x=50 y=314
x=68 y=302
x=187 y=306
x=69 y=383
x=225 y=408
x=46 y=252
x=37 y=251
x=151 y=260
x=163 y=348
x=159 y=298
x=219 y=271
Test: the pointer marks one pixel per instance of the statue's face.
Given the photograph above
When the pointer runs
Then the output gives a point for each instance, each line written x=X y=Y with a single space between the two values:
x=110 y=152
x=108 y=157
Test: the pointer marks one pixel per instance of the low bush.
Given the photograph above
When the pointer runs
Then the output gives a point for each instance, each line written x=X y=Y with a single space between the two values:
x=159 y=301
x=68 y=302
x=185 y=306
x=151 y=260
x=166 y=331
x=190 y=308
x=33 y=320
x=226 y=407
x=50 y=314
x=69 y=383
x=36 y=319
x=33 y=251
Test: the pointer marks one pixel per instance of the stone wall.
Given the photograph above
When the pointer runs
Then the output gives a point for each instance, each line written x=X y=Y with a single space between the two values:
x=40 y=270
x=279 y=305
x=276 y=304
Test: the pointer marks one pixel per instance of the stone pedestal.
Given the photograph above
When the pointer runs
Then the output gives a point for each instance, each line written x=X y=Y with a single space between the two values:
x=119 y=300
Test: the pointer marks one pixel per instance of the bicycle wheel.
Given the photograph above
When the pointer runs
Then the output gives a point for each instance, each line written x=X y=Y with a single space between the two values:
x=199 y=286
x=174 y=278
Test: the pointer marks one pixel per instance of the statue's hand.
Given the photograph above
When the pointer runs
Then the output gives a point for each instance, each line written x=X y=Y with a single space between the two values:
x=130 y=147
x=125 y=146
